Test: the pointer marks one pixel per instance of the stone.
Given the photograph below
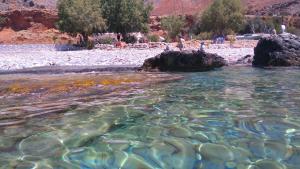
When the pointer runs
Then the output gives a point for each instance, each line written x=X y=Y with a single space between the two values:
x=267 y=164
x=216 y=152
x=248 y=59
x=186 y=61
x=281 y=50
x=42 y=145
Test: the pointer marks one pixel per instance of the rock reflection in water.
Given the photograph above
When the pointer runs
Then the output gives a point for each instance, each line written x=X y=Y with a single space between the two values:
x=236 y=118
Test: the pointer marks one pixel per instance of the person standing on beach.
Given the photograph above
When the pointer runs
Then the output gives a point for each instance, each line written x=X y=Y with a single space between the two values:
x=180 y=44
x=202 y=47
x=274 y=32
x=118 y=37
x=118 y=43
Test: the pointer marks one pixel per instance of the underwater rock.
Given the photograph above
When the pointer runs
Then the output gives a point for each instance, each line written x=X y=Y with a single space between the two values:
x=276 y=150
x=281 y=50
x=267 y=164
x=215 y=152
x=135 y=162
x=248 y=59
x=42 y=146
x=186 y=61
x=173 y=154
x=177 y=131
x=200 y=137
x=293 y=160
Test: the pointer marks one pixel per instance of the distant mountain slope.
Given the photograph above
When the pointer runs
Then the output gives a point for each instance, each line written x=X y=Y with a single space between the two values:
x=169 y=7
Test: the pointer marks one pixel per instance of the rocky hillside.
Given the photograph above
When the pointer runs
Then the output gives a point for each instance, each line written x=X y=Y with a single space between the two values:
x=167 y=7
x=253 y=7
x=9 y=5
x=26 y=18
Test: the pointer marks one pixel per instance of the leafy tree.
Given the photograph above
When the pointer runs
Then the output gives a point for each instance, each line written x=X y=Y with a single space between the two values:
x=173 y=24
x=80 y=17
x=2 y=21
x=258 y=25
x=125 y=16
x=222 y=17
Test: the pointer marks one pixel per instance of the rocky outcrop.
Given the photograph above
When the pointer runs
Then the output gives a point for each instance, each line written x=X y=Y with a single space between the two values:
x=281 y=50
x=246 y=60
x=187 y=61
x=23 y=20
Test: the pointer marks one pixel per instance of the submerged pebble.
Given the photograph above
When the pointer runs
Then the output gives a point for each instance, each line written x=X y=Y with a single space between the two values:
x=216 y=152
x=267 y=164
x=42 y=145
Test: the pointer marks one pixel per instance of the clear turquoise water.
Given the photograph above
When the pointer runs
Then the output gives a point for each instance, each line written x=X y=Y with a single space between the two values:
x=234 y=118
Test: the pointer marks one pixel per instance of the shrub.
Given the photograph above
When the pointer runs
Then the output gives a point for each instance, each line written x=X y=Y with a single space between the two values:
x=293 y=30
x=126 y=16
x=130 y=39
x=80 y=17
x=2 y=21
x=153 y=38
x=221 y=16
x=262 y=25
x=173 y=25
x=204 y=36
x=105 y=40
x=54 y=38
x=90 y=45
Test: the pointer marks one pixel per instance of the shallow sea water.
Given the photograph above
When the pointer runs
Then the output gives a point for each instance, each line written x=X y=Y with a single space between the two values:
x=232 y=118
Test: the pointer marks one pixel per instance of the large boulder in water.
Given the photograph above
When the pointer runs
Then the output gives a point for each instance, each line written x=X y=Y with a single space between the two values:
x=281 y=50
x=186 y=61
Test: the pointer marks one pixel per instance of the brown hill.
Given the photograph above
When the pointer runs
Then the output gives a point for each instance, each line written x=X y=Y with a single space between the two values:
x=262 y=7
x=169 y=7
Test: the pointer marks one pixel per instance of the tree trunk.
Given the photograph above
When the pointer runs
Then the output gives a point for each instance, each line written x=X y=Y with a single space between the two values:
x=85 y=39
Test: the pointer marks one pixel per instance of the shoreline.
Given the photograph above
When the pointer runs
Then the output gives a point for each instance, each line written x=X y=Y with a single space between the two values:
x=18 y=58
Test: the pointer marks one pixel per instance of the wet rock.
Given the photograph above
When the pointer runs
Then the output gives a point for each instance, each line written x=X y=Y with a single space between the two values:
x=215 y=152
x=248 y=59
x=173 y=154
x=135 y=162
x=186 y=61
x=154 y=132
x=281 y=50
x=179 y=132
x=24 y=165
x=42 y=146
x=276 y=150
x=293 y=160
x=267 y=164
x=241 y=155
x=200 y=137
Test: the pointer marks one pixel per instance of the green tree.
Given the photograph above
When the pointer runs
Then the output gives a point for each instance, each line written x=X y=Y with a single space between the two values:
x=223 y=16
x=173 y=25
x=80 y=17
x=125 y=16
x=2 y=21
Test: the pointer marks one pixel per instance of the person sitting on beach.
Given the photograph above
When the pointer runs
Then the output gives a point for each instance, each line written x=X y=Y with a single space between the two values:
x=167 y=48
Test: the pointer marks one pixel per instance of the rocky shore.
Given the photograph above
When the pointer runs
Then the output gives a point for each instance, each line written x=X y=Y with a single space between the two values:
x=13 y=57
x=281 y=50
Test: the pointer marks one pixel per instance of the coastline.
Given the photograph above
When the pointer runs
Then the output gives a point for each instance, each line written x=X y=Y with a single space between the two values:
x=17 y=58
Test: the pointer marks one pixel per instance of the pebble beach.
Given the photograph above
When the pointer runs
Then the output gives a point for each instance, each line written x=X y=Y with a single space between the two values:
x=16 y=57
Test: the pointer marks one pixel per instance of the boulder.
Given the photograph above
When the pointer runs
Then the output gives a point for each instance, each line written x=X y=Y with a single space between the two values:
x=246 y=60
x=280 y=50
x=186 y=61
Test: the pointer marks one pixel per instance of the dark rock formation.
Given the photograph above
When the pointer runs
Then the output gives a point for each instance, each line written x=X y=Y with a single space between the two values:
x=187 y=61
x=248 y=59
x=281 y=50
